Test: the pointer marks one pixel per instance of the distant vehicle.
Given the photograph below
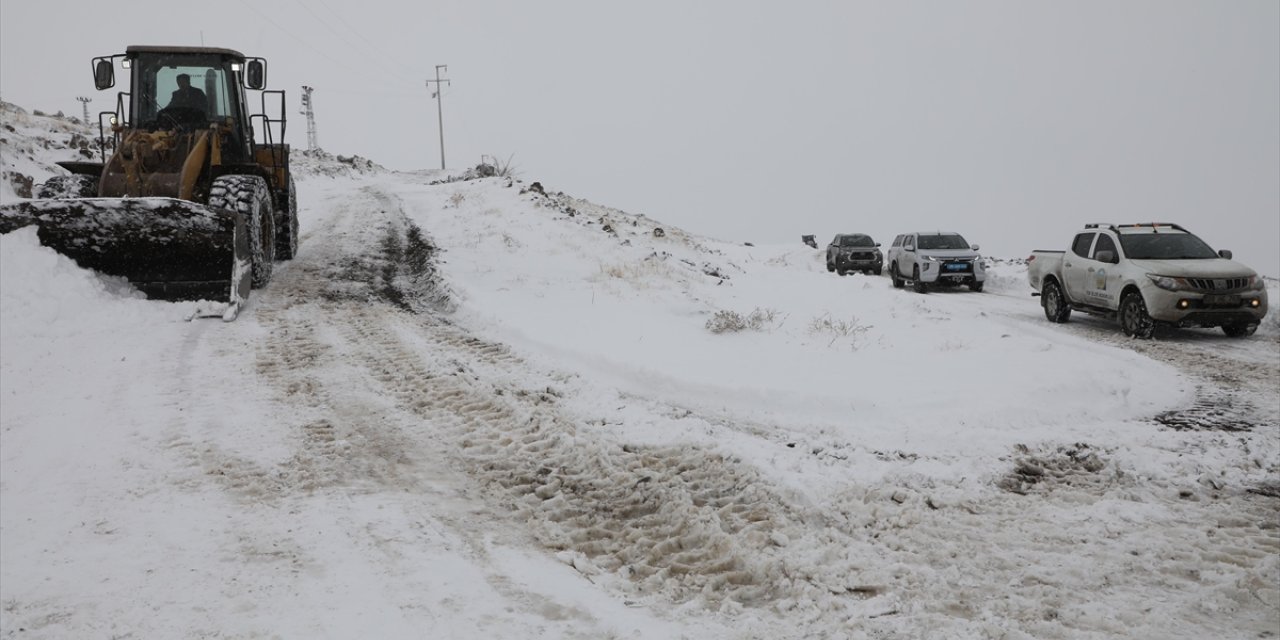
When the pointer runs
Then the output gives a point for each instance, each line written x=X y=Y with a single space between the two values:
x=1147 y=275
x=854 y=252
x=935 y=259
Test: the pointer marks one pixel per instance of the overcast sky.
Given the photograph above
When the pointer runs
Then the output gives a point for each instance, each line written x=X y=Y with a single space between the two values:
x=1012 y=122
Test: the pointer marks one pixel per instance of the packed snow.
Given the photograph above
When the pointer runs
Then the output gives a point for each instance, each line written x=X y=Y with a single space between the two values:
x=478 y=407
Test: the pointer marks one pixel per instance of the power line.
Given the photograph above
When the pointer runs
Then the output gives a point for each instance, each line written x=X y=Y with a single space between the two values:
x=360 y=35
x=385 y=67
x=318 y=50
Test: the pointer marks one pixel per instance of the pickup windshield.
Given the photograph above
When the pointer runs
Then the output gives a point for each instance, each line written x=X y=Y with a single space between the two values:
x=857 y=241
x=1165 y=246
x=942 y=241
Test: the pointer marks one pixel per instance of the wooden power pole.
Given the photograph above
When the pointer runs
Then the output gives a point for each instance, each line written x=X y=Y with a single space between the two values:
x=439 y=109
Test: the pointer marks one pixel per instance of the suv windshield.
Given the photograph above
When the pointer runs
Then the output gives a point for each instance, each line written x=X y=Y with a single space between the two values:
x=857 y=241
x=1165 y=246
x=942 y=241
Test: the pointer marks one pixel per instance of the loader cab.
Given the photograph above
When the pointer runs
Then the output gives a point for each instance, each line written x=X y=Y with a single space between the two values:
x=189 y=88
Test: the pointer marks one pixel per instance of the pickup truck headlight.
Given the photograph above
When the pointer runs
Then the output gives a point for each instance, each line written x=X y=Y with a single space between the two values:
x=1169 y=284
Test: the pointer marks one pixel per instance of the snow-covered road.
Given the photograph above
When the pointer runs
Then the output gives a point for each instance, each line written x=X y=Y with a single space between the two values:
x=462 y=412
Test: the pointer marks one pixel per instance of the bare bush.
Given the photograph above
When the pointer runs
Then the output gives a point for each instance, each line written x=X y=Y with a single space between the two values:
x=825 y=325
x=725 y=321
x=640 y=274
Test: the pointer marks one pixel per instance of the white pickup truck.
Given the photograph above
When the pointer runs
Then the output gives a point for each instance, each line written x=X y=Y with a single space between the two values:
x=1145 y=275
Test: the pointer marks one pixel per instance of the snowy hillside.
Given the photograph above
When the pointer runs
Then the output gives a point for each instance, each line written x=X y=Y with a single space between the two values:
x=482 y=408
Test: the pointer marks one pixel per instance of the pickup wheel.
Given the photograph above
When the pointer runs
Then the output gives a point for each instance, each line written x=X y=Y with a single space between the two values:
x=1239 y=330
x=975 y=286
x=841 y=271
x=1055 y=305
x=915 y=280
x=1134 y=319
x=893 y=276
x=831 y=267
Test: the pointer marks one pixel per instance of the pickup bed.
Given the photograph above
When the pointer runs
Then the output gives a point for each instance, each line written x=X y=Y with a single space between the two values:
x=1146 y=275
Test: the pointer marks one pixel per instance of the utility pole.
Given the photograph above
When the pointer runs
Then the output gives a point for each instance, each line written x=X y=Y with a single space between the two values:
x=309 y=111
x=85 y=101
x=439 y=109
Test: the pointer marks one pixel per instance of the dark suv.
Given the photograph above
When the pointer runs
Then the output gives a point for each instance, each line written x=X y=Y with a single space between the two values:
x=854 y=252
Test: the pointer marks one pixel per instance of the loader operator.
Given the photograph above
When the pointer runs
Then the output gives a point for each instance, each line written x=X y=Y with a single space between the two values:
x=187 y=96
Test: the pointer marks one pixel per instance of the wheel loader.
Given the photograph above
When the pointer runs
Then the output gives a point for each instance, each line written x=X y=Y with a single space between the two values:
x=190 y=204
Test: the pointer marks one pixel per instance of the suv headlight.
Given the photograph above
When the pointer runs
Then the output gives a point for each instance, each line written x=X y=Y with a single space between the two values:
x=1169 y=283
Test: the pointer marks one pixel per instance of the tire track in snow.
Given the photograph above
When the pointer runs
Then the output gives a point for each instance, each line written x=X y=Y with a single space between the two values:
x=679 y=523
x=350 y=441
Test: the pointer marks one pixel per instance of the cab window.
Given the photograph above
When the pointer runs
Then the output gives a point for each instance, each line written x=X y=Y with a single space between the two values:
x=1105 y=243
x=1082 y=242
x=157 y=84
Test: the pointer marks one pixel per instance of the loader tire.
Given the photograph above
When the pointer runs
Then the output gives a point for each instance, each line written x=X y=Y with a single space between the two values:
x=287 y=226
x=72 y=186
x=249 y=196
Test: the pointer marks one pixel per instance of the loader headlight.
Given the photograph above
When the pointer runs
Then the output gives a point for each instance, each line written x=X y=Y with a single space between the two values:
x=1167 y=283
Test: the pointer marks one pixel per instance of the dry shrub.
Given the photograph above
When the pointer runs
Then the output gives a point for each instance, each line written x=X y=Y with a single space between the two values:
x=725 y=321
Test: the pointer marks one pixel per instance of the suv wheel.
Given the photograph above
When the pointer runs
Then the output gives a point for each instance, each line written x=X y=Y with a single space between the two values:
x=841 y=271
x=915 y=280
x=830 y=267
x=1055 y=306
x=893 y=275
x=1134 y=319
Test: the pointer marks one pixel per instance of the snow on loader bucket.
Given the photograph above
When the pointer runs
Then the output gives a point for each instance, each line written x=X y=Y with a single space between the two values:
x=169 y=249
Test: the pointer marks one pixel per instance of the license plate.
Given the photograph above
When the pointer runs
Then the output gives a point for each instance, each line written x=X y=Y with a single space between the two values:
x=1222 y=300
x=956 y=266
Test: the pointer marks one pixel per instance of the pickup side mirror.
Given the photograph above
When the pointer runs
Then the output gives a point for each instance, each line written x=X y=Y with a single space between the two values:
x=104 y=74
x=1106 y=256
x=1225 y=253
x=974 y=247
x=877 y=244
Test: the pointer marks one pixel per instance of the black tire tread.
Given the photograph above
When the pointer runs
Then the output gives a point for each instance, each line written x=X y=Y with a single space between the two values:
x=250 y=197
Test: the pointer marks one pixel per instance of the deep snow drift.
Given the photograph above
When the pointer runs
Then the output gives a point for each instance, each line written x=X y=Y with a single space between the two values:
x=472 y=408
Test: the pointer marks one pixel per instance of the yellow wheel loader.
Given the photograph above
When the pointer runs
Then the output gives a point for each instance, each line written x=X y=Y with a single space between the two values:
x=190 y=205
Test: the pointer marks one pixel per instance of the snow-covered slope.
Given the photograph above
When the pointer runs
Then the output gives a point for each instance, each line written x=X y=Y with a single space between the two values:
x=484 y=408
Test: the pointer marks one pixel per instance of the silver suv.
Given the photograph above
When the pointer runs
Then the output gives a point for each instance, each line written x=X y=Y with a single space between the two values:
x=938 y=258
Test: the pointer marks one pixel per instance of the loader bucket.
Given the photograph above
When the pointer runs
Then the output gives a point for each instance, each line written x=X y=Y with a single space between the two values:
x=169 y=249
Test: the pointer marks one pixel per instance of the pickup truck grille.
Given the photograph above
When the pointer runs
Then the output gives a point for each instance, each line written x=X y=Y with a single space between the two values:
x=1218 y=284
x=862 y=255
